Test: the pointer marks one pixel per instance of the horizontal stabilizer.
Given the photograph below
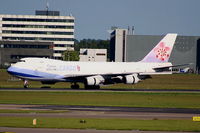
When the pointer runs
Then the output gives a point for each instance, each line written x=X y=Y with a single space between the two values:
x=167 y=68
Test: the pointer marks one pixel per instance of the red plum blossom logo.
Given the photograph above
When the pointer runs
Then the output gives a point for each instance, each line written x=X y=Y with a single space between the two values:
x=162 y=52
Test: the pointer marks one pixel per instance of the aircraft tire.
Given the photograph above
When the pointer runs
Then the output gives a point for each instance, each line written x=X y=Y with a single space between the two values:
x=25 y=86
x=190 y=71
x=92 y=87
x=76 y=86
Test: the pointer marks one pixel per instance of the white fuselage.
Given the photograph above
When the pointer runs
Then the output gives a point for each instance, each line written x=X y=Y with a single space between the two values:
x=41 y=68
x=97 y=73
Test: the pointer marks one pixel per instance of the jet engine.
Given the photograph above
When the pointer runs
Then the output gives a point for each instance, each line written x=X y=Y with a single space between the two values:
x=131 y=79
x=94 y=80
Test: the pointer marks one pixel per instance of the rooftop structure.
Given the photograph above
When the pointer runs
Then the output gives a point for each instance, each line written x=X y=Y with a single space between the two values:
x=95 y=55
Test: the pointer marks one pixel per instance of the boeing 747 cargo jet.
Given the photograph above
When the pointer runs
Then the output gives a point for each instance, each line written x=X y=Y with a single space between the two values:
x=94 y=74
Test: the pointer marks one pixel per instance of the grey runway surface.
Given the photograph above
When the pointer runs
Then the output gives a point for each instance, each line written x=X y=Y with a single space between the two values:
x=100 y=108
x=47 y=130
x=101 y=112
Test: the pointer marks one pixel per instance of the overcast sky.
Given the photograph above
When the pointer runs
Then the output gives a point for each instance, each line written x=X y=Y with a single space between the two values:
x=94 y=17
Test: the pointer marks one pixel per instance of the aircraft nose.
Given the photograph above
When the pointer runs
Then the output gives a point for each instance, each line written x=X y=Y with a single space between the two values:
x=11 y=70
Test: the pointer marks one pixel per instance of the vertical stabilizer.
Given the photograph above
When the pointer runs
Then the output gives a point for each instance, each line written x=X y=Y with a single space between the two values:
x=162 y=51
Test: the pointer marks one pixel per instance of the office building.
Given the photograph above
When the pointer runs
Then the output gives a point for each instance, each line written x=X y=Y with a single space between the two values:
x=45 y=26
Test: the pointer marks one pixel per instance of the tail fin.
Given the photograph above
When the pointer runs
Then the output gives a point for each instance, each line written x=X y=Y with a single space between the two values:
x=162 y=51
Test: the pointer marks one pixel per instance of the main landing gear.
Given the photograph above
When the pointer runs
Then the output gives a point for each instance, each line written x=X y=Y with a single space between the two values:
x=75 y=86
x=92 y=87
x=26 y=84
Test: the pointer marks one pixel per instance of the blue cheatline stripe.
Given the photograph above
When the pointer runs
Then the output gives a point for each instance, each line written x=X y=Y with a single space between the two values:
x=23 y=74
x=27 y=73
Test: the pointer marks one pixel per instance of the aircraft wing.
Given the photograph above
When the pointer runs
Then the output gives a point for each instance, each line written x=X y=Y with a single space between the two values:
x=81 y=78
x=166 y=68
x=88 y=75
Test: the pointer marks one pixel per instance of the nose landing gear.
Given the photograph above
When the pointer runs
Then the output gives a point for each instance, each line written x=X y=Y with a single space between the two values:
x=26 y=85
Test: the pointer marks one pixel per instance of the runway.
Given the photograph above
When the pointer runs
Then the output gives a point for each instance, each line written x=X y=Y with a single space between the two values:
x=99 y=108
x=102 y=112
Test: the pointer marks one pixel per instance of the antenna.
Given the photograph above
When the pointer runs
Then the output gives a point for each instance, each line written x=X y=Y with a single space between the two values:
x=47 y=5
x=129 y=30
x=133 y=30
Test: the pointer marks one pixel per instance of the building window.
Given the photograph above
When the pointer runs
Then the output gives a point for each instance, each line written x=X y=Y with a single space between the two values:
x=58 y=51
x=24 y=56
x=33 y=38
x=100 y=54
x=39 y=20
x=26 y=46
x=37 y=32
x=60 y=45
x=38 y=26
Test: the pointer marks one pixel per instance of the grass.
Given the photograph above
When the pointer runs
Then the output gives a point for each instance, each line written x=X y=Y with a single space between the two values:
x=102 y=124
x=122 y=99
x=6 y=132
x=175 y=81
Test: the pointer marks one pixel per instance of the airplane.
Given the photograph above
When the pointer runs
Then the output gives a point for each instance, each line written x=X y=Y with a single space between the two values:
x=95 y=74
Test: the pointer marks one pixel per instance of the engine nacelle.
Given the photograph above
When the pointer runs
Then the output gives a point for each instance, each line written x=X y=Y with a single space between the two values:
x=131 y=79
x=94 y=80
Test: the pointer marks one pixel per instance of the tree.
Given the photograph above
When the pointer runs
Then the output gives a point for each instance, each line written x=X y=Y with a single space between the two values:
x=71 y=56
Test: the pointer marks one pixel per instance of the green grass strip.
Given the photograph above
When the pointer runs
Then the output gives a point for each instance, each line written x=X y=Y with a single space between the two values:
x=6 y=132
x=121 y=99
x=174 y=81
x=102 y=124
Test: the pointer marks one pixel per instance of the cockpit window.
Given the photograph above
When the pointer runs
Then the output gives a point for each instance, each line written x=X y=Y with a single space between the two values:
x=22 y=61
